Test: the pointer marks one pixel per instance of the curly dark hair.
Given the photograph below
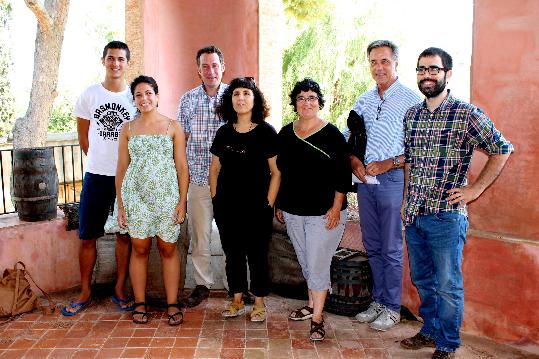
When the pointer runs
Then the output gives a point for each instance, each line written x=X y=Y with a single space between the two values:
x=146 y=80
x=307 y=84
x=226 y=111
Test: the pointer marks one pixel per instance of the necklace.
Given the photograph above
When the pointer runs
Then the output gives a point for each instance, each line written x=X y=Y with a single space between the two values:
x=236 y=127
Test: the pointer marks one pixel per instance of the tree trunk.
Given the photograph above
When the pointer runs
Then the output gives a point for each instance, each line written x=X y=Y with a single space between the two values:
x=31 y=130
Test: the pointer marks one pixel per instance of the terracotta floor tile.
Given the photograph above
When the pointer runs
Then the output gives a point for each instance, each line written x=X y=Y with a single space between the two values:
x=350 y=344
x=328 y=353
x=207 y=353
x=211 y=333
x=372 y=343
x=46 y=343
x=327 y=344
x=185 y=342
x=162 y=342
x=20 y=325
x=35 y=333
x=256 y=333
x=23 y=344
x=353 y=354
x=60 y=353
x=304 y=354
x=278 y=334
x=85 y=354
x=68 y=343
x=346 y=334
x=77 y=333
x=158 y=353
x=122 y=332
x=5 y=342
x=377 y=354
x=233 y=343
x=190 y=323
x=133 y=353
x=54 y=333
x=182 y=353
x=302 y=344
x=116 y=343
x=111 y=316
x=37 y=353
x=279 y=344
x=257 y=343
x=234 y=333
x=92 y=343
x=256 y=354
x=13 y=354
x=138 y=342
x=186 y=332
x=228 y=353
x=216 y=343
x=280 y=353
x=109 y=353
x=144 y=333
x=167 y=332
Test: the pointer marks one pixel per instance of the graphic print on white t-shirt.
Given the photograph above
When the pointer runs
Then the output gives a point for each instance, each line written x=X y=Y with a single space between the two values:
x=109 y=119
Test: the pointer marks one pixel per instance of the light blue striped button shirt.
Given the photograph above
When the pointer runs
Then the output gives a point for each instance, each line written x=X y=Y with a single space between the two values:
x=384 y=120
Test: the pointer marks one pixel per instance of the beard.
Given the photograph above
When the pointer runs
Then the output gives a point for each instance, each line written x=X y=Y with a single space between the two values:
x=431 y=92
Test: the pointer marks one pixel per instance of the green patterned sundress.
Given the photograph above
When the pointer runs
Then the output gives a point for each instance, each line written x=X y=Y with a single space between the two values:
x=150 y=191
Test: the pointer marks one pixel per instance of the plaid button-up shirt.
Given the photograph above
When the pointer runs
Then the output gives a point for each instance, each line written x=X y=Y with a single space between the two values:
x=439 y=147
x=197 y=116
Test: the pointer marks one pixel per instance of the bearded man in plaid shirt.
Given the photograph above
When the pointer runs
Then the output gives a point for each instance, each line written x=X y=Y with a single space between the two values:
x=441 y=134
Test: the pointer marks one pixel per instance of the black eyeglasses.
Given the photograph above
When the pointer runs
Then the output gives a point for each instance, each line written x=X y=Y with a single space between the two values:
x=379 y=109
x=432 y=70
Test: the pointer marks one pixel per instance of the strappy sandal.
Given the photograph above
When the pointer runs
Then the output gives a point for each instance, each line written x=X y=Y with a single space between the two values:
x=317 y=328
x=172 y=321
x=258 y=314
x=143 y=315
x=303 y=313
x=233 y=310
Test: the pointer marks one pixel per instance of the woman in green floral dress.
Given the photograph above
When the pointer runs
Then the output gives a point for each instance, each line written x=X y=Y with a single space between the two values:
x=151 y=186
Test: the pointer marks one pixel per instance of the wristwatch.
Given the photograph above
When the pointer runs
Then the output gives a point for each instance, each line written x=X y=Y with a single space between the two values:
x=396 y=162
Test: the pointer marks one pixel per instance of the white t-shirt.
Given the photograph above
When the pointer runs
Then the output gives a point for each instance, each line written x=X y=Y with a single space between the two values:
x=107 y=112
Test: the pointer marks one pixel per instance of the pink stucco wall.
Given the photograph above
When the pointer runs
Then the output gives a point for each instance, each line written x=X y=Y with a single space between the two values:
x=175 y=30
x=49 y=252
x=501 y=256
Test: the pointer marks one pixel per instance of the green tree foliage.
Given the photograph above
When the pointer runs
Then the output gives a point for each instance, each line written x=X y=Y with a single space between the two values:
x=7 y=102
x=305 y=11
x=61 y=119
x=333 y=54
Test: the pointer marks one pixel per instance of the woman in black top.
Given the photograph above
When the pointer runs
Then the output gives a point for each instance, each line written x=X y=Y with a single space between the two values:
x=244 y=181
x=315 y=176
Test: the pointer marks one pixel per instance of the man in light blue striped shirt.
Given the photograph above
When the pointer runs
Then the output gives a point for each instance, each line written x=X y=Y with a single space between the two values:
x=382 y=182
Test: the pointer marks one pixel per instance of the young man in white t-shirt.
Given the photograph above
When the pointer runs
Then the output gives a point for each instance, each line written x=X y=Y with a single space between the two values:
x=101 y=111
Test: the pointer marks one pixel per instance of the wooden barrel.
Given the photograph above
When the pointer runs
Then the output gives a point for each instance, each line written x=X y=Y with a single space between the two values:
x=35 y=183
x=351 y=285
x=286 y=277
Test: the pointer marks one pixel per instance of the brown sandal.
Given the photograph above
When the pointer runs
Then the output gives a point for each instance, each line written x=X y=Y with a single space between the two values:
x=317 y=328
x=172 y=321
x=299 y=314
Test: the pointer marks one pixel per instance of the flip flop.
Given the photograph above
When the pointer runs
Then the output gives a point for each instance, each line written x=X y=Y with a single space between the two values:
x=78 y=306
x=125 y=305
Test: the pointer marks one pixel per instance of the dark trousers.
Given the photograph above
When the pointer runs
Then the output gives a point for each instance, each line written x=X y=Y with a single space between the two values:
x=245 y=232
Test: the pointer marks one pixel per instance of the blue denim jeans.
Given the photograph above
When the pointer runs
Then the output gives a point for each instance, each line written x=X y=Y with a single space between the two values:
x=435 y=244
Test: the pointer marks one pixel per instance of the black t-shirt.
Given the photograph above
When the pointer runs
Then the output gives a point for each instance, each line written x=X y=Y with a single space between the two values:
x=312 y=170
x=245 y=174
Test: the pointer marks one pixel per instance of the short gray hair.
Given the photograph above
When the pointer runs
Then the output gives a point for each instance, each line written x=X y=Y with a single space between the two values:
x=384 y=43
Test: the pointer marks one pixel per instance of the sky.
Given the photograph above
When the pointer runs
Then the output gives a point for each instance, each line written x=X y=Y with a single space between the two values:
x=412 y=24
